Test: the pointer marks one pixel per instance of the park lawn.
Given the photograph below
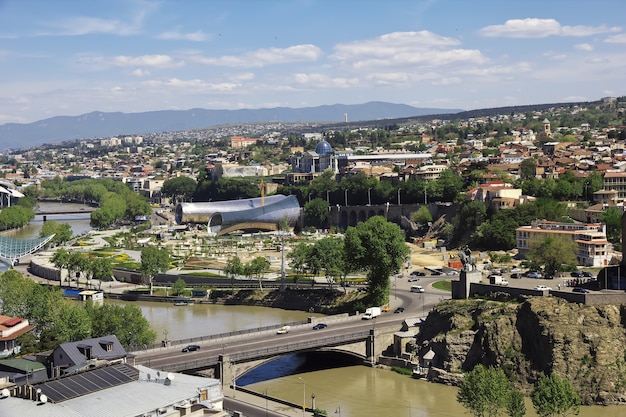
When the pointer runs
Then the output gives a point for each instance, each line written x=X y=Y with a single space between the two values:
x=443 y=285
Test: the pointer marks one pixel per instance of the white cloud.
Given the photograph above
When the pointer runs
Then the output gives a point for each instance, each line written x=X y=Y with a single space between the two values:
x=264 y=57
x=162 y=61
x=197 y=36
x=83 y=25
x=316 y=80
x=405 y=49
x=621 y=38
x=541 y=28
x=584 y=47
x=194 y=85
x=140 y=73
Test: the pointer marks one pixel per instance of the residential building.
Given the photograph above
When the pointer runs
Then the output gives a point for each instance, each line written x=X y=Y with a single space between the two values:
x=10 y=329
x=593 y=247
x=615 y=181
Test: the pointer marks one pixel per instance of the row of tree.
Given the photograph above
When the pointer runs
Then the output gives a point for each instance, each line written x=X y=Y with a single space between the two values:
x=487 y=392
x=58 y=319
x=92 y=267
x=115 y=199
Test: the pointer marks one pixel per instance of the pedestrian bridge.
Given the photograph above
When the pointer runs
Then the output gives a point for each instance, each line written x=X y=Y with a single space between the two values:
x=12 y=250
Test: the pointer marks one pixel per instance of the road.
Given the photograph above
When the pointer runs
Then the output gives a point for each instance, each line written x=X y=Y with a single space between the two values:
x=415 y=304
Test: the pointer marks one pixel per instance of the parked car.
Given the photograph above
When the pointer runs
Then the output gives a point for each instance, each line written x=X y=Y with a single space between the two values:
x=399 y=310
x=320 y=326
x=516 y=275
x=581 y=290
x=191 y=348
x=418 y=273
x=577 y=274
x=587 y=274
x=542 y=288
x=534 y=274
x=413 y=279
x=283 y=330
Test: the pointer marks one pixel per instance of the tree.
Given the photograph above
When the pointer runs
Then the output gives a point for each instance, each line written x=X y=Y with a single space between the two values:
x=100 y=269
x=126 y=322
x=379 y=247
x=327 y=254
x=422 y=216
x=234 y=267
x=60 y=260
x=554 y=396
x=612 y=217
x=179 y=286
x=316 y=213
x=179 y=187
x=527 y=169
x=299 y=259
x=259 y=266
x=62 y=231
x=153 y=261
x=552 y=253
x=486 y=392
x=79 y=263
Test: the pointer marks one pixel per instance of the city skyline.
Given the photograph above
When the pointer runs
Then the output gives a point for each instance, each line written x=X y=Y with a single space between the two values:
x=70 y=58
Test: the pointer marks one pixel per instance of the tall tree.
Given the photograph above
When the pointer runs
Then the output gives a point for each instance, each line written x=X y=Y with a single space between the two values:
x=553 y=252
x=486 y=392
x=553 y=396
x=153 y=261
x=316 y=213
x=299 y=258
x=234 y=267
x=60 y=259
x=377 y=246
x=181 y=188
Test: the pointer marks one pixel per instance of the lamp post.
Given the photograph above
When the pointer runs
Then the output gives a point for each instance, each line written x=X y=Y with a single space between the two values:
x=425 y=197
x=313 y=401
x=399 y=195
x=265 y=402
x=303 y=396
x=369 y=196
x=345 y=193
x=327 y=200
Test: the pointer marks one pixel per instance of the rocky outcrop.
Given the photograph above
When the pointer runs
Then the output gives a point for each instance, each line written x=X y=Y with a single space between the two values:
x=531 y=336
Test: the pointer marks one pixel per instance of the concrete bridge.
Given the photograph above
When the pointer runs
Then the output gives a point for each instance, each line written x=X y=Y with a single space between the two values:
x=230 y=357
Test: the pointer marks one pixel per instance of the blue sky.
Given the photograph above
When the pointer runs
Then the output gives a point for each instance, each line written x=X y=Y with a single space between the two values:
x=67 y=57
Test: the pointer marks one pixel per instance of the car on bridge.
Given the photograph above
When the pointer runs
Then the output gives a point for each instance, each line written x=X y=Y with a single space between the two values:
x=542 y=288
x=283 y=330
x=399 y=310
x=320 y=326
x=191 y=348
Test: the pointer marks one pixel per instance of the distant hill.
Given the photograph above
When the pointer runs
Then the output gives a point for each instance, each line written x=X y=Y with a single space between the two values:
x=102 y=125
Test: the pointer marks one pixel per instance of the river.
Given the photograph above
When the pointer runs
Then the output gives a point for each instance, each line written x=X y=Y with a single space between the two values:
x=344 y=391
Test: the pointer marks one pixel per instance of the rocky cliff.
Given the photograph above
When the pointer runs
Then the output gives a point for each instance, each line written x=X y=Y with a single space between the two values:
x=530 y=336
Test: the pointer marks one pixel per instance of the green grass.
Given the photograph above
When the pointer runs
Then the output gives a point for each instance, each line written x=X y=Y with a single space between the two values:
x=443 y=285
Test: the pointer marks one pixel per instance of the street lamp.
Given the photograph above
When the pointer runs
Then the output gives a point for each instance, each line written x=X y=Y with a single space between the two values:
x=369 y=196
x=303 y=396
x=345 y=193
x=399 y=195
x=327 y=200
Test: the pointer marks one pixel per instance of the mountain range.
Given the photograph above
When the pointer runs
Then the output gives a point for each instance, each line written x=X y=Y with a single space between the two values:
x=101 y=125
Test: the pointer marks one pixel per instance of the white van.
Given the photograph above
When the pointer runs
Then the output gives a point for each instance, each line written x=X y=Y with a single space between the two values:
x=417 y=288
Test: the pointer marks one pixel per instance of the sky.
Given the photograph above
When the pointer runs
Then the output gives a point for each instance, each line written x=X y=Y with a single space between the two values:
x=71 y=57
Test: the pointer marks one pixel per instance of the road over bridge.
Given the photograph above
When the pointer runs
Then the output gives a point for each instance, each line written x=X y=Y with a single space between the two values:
x=231 y=355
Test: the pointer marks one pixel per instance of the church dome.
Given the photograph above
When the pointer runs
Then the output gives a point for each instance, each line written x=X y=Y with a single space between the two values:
x=323 y=148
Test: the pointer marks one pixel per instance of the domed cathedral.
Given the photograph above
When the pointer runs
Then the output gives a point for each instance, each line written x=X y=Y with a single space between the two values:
x=317 y=161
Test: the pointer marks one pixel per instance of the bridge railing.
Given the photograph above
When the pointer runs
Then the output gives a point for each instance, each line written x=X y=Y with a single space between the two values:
x=215 y=337
x=267 y=352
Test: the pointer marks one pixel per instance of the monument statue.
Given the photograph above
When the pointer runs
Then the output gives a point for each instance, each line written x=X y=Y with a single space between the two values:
x=468 y=261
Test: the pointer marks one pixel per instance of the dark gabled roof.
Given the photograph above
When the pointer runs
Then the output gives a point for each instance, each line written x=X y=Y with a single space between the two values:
x=72 y=350
x=83 y=383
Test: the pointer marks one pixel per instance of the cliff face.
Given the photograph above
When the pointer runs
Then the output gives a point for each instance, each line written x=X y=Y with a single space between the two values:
x=585 y=344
